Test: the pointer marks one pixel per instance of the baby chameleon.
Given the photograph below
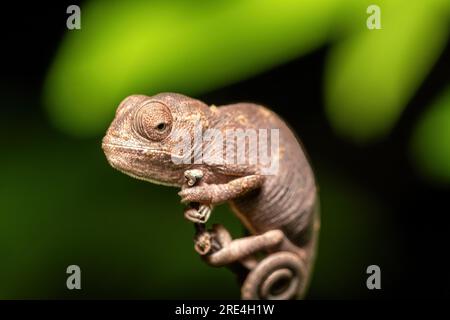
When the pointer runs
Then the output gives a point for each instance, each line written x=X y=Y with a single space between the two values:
x=279 y=208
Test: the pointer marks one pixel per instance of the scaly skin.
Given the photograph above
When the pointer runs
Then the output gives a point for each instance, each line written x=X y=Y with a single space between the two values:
x=280 y=210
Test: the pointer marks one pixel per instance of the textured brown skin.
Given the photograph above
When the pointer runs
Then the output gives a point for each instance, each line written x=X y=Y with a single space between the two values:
x=280 y=211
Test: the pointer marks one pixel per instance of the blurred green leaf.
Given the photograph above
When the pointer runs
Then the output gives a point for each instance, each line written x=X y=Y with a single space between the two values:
x=430 y=144
x=372 y=74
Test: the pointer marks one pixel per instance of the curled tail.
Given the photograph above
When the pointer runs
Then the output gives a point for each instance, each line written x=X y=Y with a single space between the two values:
x=284 y=275
x=279 y=276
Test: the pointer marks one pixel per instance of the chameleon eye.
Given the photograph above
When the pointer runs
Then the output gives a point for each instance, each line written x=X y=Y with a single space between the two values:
x=153 y=121
x=161 y=126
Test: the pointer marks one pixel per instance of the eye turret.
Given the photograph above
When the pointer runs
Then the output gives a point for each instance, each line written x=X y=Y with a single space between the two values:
x=153 y=121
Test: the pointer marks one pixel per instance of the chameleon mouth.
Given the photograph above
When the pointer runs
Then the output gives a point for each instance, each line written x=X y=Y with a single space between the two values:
x=121 y=157
x=107 y=147
x=133 y=161
x=139 y=150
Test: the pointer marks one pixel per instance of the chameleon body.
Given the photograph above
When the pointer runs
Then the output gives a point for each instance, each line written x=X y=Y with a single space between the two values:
x=280 y=210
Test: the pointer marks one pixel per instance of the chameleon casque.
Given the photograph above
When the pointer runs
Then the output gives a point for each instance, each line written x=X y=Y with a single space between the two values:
x=279 y=210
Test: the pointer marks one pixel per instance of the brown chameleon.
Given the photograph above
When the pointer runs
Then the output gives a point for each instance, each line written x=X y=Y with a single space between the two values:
x=279 y=208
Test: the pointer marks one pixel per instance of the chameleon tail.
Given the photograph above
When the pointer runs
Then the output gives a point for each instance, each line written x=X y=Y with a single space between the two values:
x=279 y=276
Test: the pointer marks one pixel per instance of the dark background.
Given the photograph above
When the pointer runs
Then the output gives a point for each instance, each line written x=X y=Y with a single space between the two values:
x=376 y=208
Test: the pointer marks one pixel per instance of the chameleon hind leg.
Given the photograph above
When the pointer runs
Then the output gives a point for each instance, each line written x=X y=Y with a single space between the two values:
x=241 y=249
x=278 y=276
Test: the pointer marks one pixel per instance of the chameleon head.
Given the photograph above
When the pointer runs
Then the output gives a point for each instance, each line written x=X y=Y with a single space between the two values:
x=141 y=139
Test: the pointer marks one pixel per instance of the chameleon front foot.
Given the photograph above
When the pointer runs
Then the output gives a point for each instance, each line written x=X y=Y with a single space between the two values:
x=200 y=215
x=196 y=211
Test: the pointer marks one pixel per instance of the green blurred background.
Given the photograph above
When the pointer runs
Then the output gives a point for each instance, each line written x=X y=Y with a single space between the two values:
x=372 y=108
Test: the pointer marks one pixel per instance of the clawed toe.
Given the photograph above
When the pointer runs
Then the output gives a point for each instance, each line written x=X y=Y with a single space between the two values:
x=200 y=215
